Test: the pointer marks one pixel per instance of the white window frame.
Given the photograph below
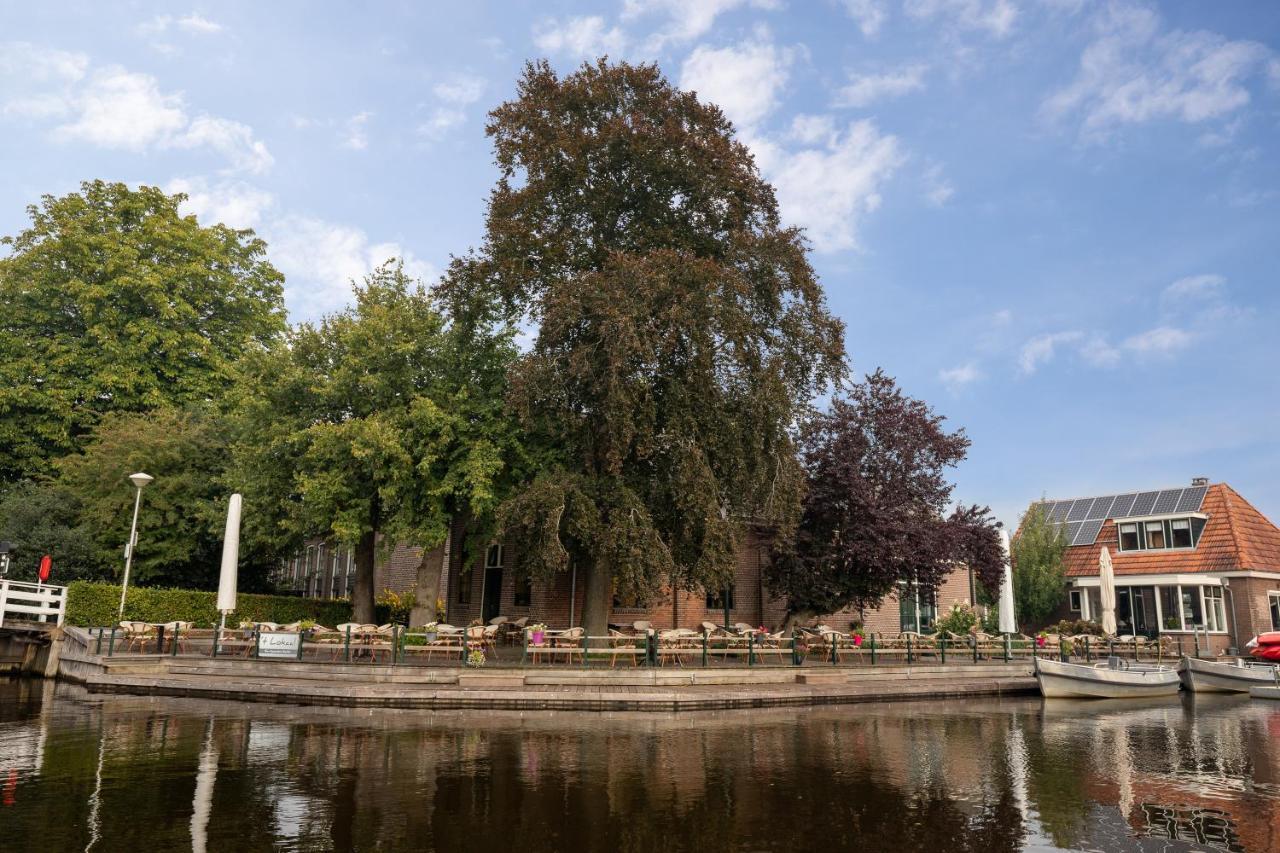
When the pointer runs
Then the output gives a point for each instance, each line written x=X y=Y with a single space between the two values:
x=500 y=549
x=1218 y=624
x=1273 y=594
x=1075 y=601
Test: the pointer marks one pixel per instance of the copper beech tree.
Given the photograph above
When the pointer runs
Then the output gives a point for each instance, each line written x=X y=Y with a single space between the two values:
x=677 y=331
x=875 y=507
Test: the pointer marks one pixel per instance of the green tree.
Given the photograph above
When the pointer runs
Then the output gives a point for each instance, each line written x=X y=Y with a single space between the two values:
x=40 y=518
x=1039 y=579
x=183 y=516
x=111 y=301
x=380 y=419
x=679 y=330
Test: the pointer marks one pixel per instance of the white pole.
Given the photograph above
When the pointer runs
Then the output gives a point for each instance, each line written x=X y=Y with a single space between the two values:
x=128 y=552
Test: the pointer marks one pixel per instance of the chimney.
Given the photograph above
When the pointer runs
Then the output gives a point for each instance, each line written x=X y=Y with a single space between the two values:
x=1199 y=481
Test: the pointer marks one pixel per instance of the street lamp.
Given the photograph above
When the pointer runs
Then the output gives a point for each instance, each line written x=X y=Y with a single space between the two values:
x=139 y=480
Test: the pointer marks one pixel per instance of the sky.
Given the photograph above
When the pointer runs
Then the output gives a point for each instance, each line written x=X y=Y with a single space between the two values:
x=1058 y=221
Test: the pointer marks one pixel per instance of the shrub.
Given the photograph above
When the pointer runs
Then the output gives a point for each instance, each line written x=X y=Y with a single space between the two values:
x=96 y=604
x=960 y=620
x=391 y=606
x=1068 y=628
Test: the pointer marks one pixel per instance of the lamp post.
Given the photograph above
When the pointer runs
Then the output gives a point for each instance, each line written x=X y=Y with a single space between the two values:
x=139 y=480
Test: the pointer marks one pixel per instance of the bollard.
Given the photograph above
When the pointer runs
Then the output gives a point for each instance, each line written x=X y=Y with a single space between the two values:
x=1087 y=656
x=910 y=658
x=704 y=649
x=1062 y=649
x=751 y=649
x=942 y=647
x=173 y=642
x=395 y=644
x=524 y=642
x=795 y=649
x=873 y=649
x=255 y=642
x=834 y=640
x=973 y=640
x=97 y=650
x=111 y=645
x=464 y=646
x=346 y=646
x=1007 y=650
x=302 y=638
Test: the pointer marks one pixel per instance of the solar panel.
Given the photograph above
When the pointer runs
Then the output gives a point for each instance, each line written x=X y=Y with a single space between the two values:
x=1101 y=507
x=1080 y=510
x=1144 y=503
x=1072 y=529
x=1123 y=506
x=1060 y=510
x=1088 y=532
x=1192 y=499
x=1167 y=502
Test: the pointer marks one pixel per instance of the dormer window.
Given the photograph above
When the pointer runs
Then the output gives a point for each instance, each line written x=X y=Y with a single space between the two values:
x=1159 y=534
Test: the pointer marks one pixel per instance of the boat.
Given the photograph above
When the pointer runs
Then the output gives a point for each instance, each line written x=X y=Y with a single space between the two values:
x=1115 y=679
x=1265 y=646
x=1204 y=676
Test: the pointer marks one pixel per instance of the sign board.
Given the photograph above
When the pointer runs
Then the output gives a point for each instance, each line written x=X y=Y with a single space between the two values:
x=278 y=644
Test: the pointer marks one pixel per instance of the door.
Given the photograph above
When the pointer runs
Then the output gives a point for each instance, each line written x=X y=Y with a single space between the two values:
x=1144 y=611
x=492 y=593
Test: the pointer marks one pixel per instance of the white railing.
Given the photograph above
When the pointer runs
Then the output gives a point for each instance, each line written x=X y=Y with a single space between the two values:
x=32 y=602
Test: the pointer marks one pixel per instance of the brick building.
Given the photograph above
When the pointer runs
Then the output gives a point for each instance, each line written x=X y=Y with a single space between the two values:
x=482 y=589
x=1199 y=559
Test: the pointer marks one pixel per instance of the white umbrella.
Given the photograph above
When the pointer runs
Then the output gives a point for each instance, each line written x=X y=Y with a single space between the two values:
x=230 y=561
x=1107 y=589
x=1008 y=624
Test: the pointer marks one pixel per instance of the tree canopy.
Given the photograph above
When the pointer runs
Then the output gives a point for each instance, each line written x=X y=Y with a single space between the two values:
x=1039 y=577
x=678 y=330
x=112 y=301
x=380 y=419
x=40 y=518
x=874 y=508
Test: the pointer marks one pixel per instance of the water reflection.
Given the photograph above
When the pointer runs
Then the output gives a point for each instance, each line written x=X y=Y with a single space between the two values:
x=100 y=773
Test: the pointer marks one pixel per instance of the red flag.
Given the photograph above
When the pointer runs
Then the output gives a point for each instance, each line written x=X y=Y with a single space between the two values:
x=46 y=566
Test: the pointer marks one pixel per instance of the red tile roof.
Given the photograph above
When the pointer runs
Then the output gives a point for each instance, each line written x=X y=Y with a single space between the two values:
x=1236 y=538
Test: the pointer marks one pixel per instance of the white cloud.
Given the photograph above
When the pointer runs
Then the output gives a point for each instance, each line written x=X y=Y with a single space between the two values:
x=233 y=140
x=156 y=29
x=687 y=19
x=232 y=203
x=813 y=129
x=1099 y=353
x=995 y=17
x=320 y=259
x=865 y=89
x=440 y=122
x=356 y=135
x=743 y=80
x=1040 y=350
x=1003 y=317
x=124 y=109
x=460 y=89
x=959 y=376
x=830 y=188
x=870 y=15
x=1194 y=288
x=937 y=189
x=1162 y=340
x=581 y=37
x=1134 y=72
x=112 y=107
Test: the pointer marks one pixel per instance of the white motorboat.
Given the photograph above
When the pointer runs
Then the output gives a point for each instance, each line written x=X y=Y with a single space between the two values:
x=1115 y=679
x=1204 y=676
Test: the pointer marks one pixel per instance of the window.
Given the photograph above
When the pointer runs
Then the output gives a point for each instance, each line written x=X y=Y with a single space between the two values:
x=1181 y=533
x=1170 y=609
x=1192 y=616
x=493 y=558
x=1075 y=601
x=917 y=618
x=524 y=588
x=716 y=598
x=1129 y=537
x=1155 y=534
x=1215 y=615
x=1273 y=598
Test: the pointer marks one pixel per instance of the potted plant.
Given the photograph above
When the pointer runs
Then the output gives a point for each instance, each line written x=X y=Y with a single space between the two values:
x=430 y=630
x=475 y=657
x=537 y=634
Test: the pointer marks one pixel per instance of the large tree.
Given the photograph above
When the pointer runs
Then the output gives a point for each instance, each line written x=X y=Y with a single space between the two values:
x=874 y=509
x=380 y=419
x=181 y=523
x=112 y=301
x=39 y=518
x=1039 y=577
x=677 y=330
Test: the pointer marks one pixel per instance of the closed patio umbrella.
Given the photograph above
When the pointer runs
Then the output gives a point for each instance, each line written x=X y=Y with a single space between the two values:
x=1008 y=620
x=1107 y=590
x=230 y=561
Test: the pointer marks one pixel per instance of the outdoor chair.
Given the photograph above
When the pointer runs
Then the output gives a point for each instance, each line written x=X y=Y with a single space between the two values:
x=267 y=626
x=177 y=632
x=512 y=631
x=642 y=627
x=137 y=634
x=621 y=644
x=498 y=620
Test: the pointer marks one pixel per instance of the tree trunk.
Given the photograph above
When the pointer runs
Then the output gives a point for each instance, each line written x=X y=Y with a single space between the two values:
x=427 y=589
x=362 y=590
x=795 y=617
x=597 y=598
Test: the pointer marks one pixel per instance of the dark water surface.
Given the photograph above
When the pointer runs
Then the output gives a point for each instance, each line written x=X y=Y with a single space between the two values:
x=117 y=773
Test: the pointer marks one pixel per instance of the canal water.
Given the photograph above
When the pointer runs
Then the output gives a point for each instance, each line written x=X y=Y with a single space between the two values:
x=120 y=773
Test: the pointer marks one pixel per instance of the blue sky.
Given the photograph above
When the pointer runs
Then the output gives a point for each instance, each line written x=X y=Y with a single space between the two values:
x=1057 y=221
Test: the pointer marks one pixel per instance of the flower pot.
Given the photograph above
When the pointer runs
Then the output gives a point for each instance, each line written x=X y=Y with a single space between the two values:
x=537 y=637
x=431 y=636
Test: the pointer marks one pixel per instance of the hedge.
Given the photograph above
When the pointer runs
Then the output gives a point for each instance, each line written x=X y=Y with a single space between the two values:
x=91 y=604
